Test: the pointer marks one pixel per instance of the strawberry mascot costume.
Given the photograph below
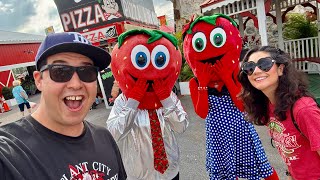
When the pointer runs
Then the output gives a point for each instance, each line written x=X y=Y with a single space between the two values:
x=212 y=46
x=145 y=116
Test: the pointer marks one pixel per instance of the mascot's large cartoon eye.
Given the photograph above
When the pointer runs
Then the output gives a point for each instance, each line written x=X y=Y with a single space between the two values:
x=218 y=37
x=199 y=42
x=160 y=57
x=140 y=57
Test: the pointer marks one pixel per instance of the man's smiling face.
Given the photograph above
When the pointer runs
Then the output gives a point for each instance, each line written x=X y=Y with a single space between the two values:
x=65 y=104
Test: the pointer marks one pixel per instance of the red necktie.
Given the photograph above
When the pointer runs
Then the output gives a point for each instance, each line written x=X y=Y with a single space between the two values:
x=161 y=163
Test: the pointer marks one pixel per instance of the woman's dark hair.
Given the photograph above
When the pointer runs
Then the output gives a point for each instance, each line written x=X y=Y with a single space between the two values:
x=243 y=53
x=292 y=86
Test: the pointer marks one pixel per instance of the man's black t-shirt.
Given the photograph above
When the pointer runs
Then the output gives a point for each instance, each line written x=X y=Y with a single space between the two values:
x=29 y=150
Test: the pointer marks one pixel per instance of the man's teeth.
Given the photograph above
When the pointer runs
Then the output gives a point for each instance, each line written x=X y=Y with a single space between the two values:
x=73 y=98
x=260 y=78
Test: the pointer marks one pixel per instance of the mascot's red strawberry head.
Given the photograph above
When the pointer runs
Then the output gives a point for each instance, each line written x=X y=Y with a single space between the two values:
x=147 y=55
x=208 y=39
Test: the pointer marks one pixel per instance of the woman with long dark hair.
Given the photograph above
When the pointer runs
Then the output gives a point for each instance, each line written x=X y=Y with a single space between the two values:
x=275 y=94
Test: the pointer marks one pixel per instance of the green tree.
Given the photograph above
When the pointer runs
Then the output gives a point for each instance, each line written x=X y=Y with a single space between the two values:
x=299 y=26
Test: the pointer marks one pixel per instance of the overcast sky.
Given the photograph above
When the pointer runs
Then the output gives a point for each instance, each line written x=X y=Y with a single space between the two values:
x=33 y=16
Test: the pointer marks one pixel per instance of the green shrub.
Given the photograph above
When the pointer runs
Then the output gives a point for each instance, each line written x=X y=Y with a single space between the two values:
x=7 y=93
x=299 y=26
x=186 y=73
x=29 y=85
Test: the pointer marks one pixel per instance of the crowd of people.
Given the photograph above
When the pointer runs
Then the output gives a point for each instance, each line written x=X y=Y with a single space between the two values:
x=139 y=141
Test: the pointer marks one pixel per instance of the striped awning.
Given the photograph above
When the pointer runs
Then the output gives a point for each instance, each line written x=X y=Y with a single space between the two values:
x=208 y=5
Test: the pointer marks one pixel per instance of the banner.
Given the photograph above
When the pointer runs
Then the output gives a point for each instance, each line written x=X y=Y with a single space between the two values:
x=83 y=15
x=107 y=81
x=139 y=13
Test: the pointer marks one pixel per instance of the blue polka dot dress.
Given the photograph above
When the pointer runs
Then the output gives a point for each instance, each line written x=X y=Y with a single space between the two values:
x=233 y=146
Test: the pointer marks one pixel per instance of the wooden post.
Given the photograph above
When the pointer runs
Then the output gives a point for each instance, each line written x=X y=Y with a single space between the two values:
x=241 y=27
x=279 y=24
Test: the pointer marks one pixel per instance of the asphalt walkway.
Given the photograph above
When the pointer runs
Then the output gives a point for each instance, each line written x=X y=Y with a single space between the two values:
x=192 y=142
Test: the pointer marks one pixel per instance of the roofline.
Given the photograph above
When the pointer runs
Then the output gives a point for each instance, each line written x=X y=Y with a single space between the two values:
x=21 y=42
x=208 y=4
x=34 y=38
x=13 y=66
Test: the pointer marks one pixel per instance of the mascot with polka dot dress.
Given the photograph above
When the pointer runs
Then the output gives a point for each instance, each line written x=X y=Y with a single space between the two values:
x=212 y=46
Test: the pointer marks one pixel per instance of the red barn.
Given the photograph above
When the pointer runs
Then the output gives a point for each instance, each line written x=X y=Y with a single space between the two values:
x=17 y=50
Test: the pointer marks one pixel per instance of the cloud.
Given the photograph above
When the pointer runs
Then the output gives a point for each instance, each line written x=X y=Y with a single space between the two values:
x=13 y=13
x=33 y=16
x=46 y=14
x=6 y=8
x=29 y=16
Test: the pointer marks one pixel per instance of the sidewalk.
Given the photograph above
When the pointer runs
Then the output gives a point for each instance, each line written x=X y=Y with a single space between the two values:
x=15 y=114
x=192 y=142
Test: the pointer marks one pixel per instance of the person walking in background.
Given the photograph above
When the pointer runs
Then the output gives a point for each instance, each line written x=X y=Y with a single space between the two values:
x=115 y=91
x=107 y=80
x=21 y=97
x=275 y=94
x=55 y=142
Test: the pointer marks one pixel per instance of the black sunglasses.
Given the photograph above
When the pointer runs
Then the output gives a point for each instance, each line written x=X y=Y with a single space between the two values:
x=63 y=73
x=265 y=64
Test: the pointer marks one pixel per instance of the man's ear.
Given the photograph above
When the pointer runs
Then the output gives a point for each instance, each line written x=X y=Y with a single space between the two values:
x=38 y=79
x=280 y=69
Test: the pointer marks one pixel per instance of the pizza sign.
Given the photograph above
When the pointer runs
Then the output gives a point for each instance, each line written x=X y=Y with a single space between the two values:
x=80 y=15
x=101 y=34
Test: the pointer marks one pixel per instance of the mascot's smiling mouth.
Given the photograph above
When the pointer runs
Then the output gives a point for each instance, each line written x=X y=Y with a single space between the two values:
x=211 y=61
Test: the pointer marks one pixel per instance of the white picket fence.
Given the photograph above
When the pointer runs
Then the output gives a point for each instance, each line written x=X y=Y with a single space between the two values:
x=305 y=52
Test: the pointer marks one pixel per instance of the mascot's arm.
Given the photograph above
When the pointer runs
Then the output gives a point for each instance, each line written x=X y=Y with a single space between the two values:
x=124 y=111
x=229 y=77
x=199 y=99
x=174 y=114
x=122 y=116
x=234 y=88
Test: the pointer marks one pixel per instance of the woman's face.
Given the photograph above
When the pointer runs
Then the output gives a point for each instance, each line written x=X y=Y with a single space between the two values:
x=265 y=81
